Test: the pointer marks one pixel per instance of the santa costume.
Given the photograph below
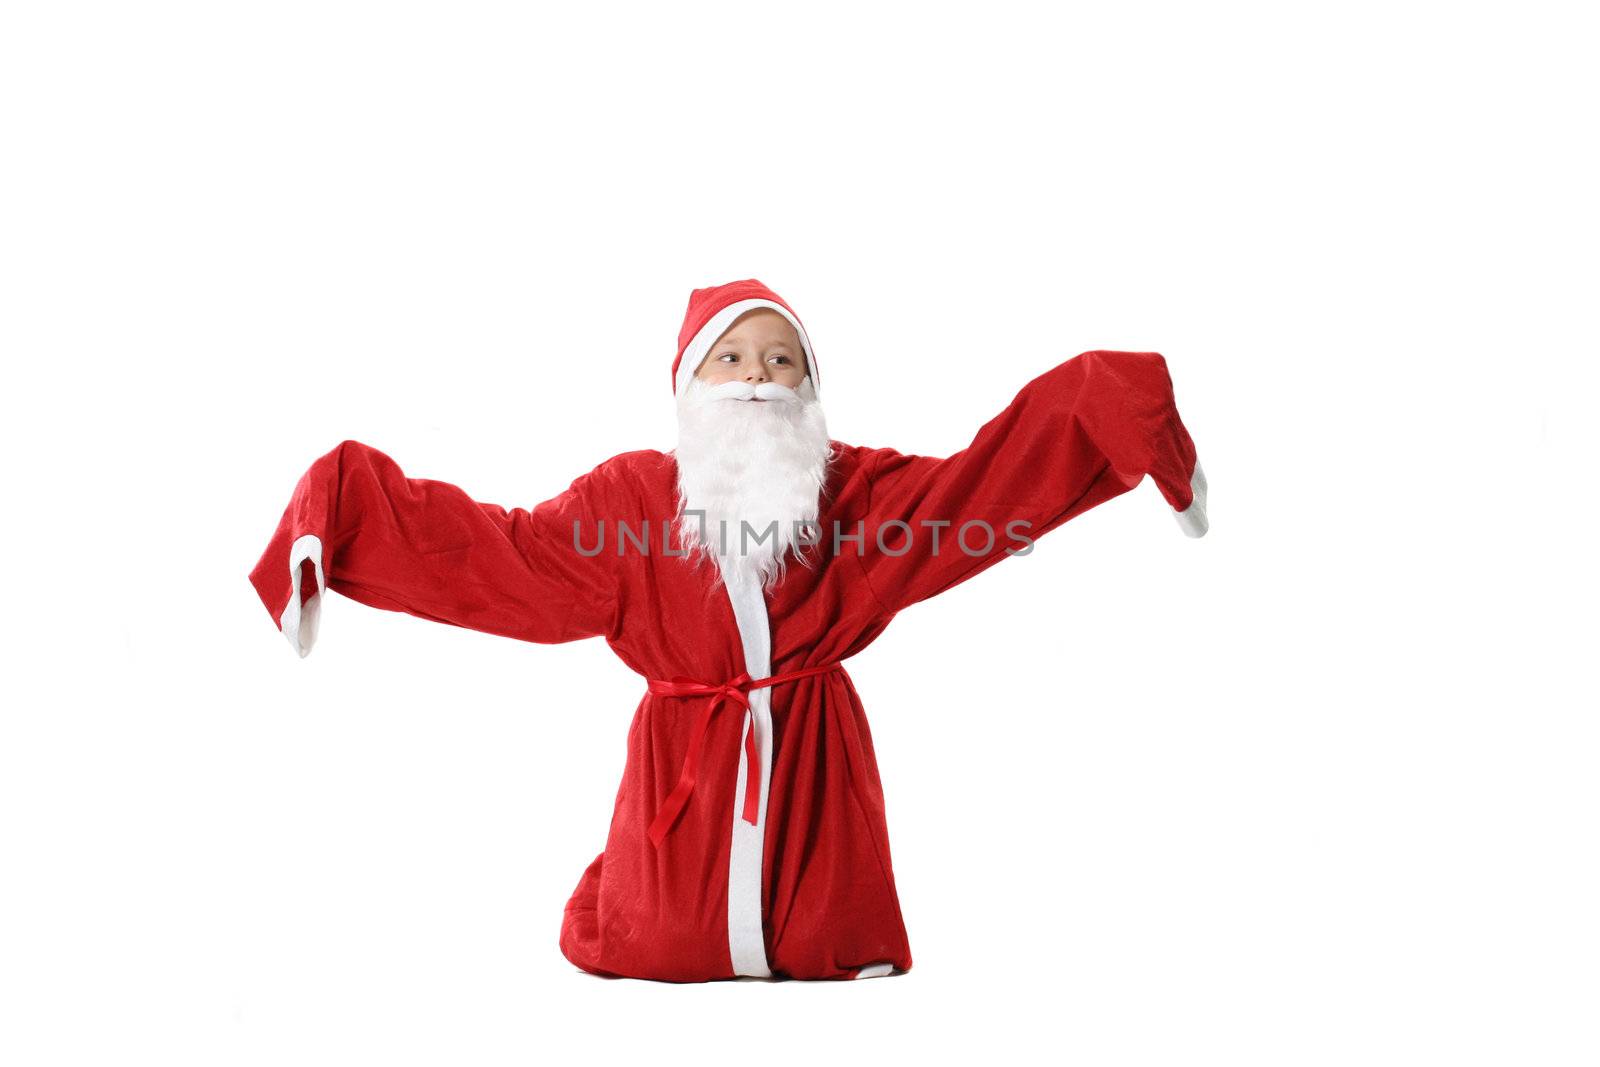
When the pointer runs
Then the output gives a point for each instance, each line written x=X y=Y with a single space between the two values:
x=748 y=836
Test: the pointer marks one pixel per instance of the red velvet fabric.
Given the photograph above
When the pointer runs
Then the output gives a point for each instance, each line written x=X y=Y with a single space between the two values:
x=1078 y=435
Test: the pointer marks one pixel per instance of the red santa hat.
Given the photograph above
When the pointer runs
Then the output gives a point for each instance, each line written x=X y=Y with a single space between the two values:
x=712 y=311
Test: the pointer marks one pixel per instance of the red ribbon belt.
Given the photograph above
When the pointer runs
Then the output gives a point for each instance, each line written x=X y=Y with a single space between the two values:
x=734 y=690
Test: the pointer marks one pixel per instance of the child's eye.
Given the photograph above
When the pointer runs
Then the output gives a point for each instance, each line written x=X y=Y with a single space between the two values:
x=730 y=355
x=780 y=359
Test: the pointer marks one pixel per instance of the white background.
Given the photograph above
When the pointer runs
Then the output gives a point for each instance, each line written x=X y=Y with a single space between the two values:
x=1317 y=789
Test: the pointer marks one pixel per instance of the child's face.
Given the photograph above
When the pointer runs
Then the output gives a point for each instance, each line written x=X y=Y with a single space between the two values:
x=759 y=347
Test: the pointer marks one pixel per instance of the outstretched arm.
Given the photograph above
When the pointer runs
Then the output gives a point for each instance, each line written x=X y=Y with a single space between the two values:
x=1080 y=434
x=356 y=524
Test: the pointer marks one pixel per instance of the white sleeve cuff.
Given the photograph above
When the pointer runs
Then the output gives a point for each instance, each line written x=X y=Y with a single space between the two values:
x=1192 y=519
x=299 y=621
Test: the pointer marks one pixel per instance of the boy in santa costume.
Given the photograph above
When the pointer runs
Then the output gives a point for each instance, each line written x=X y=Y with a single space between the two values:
x=735 y=575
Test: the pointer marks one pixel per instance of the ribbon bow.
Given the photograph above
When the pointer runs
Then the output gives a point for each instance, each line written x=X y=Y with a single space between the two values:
x=736 y=690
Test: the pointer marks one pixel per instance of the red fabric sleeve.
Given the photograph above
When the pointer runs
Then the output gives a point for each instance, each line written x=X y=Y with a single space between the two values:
x=1080 y=434
x=358 y=525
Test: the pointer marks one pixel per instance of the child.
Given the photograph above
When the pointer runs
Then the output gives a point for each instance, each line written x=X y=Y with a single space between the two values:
x=735 y=575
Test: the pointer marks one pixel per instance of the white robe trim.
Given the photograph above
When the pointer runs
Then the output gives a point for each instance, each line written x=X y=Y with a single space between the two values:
x=746 y=943
x=299 y=621
x=1193 y=518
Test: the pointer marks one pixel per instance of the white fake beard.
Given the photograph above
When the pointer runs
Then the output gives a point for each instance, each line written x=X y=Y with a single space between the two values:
x=742 y=462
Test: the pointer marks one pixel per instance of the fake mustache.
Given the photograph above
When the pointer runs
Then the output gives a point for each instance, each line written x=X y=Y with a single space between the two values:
x=746 y=391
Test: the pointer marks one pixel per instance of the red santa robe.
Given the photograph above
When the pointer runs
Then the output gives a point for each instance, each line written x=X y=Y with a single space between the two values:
x=775 y=860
